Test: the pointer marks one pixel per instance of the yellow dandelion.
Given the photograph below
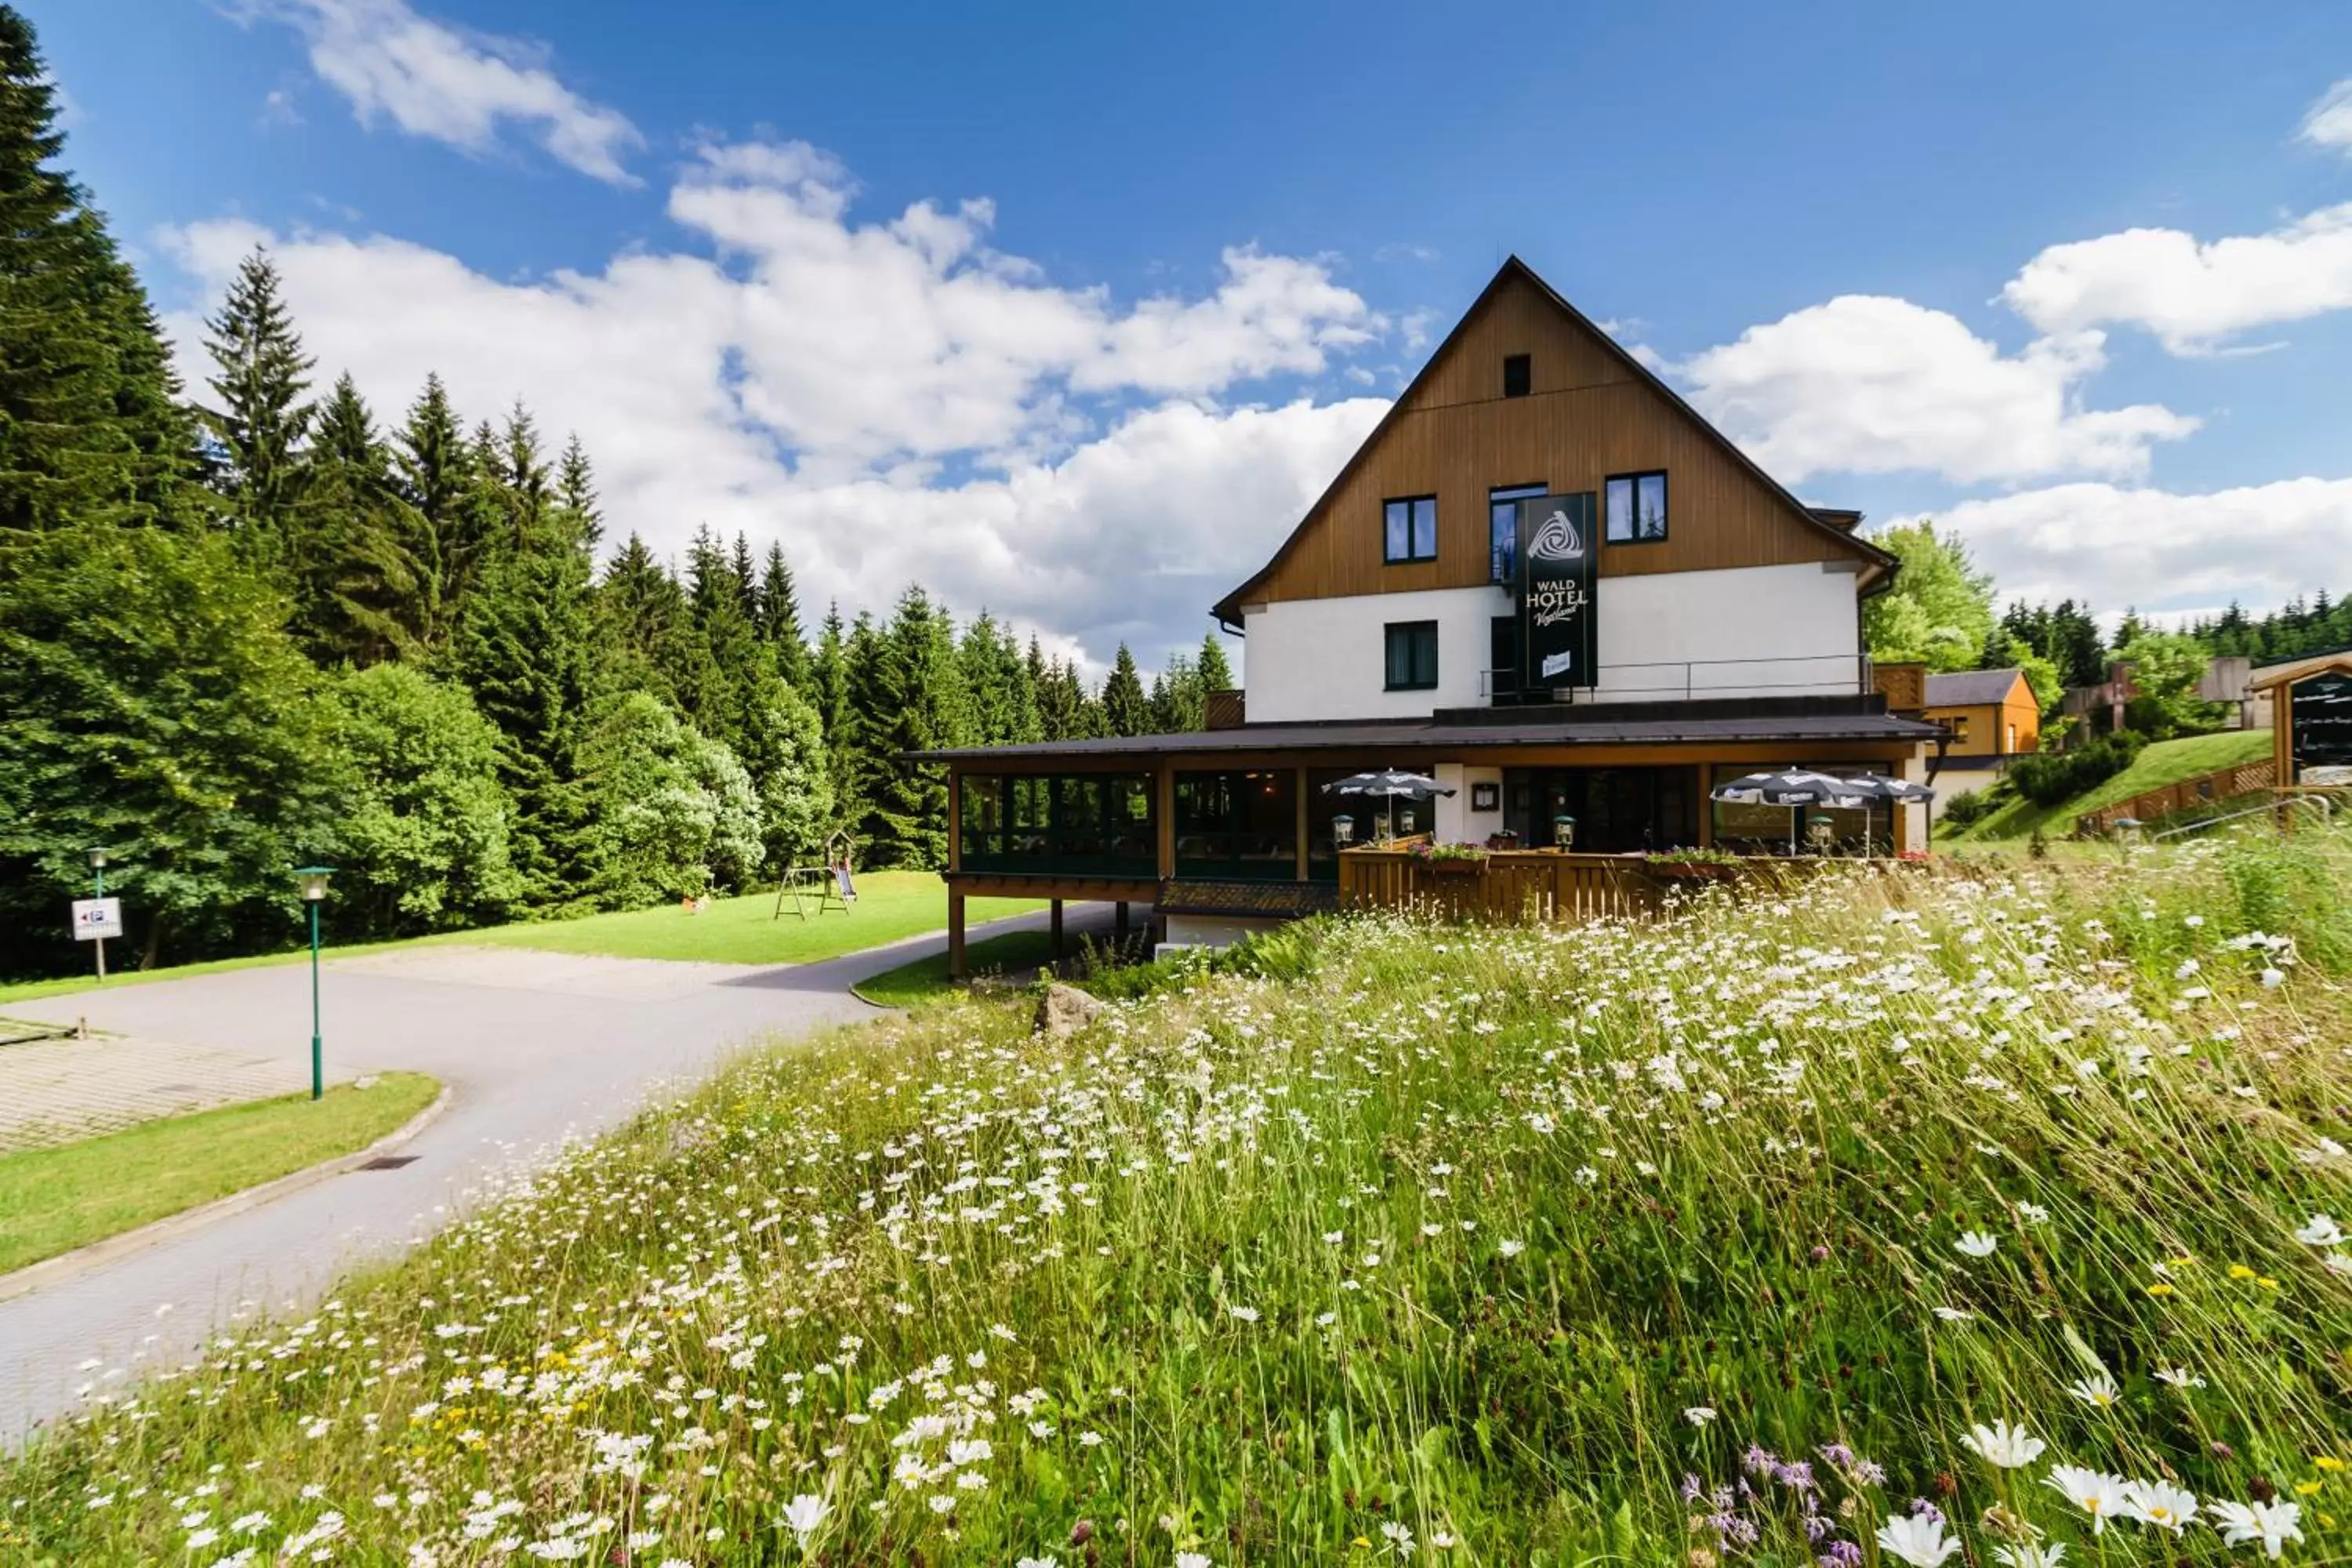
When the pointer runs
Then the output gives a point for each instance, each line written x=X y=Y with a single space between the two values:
x=2160 y=1289
x=2239 y=1271
x=2306 y=1489
x=2267 y=1283
x=2326 y=1462
x=2183 y=1261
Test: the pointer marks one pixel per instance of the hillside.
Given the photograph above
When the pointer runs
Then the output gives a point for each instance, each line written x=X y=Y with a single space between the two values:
x=2160 y=763
x=1546 y=1245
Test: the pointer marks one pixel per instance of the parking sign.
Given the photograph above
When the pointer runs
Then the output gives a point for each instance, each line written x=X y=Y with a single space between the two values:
x=97 y=918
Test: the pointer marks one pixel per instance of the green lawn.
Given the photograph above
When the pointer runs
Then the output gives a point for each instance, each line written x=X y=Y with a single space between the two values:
x=926 y=979
x=2164 y=763
x=891 y=906
x=54 y=1200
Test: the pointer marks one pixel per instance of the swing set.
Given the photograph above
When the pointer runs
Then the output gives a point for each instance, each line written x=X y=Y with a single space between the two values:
x=830 y=886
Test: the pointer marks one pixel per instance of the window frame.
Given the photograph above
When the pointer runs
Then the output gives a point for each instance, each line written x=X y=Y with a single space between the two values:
x=1535 y=491
x=1409 y=503
x=1389 y=634
x=1634 y=478
x=1526 y=365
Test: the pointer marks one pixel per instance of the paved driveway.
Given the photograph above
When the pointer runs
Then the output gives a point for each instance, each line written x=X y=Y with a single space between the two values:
x=533 y=1047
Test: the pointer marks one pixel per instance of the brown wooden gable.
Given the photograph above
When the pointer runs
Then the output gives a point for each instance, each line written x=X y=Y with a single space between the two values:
x=1592 y=411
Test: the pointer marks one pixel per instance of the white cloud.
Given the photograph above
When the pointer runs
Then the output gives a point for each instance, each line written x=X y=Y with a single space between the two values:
x=2193 y=296
x=454 y=85
x=2122 y=546
x=1867 y=383
x=2328 y=122
x=895 y=401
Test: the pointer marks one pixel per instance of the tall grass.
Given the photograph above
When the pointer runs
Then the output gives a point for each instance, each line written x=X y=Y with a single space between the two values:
x=1667 y=1243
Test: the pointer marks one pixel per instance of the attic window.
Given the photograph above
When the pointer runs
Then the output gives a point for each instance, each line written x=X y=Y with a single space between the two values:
x=1517 y=375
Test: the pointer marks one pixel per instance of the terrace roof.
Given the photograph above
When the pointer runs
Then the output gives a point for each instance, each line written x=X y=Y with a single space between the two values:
x=1448 y=733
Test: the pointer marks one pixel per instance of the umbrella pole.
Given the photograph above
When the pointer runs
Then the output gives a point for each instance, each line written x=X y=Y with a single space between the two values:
x=1792 y=830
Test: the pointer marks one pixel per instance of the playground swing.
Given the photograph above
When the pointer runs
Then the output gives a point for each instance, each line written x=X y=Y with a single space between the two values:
x=830 y=886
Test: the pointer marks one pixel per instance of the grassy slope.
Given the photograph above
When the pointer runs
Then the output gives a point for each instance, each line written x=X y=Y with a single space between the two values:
x=891 y=906
x=926 y=979
x=1447 y=1234
x=2161 y=763
x=54 y=1200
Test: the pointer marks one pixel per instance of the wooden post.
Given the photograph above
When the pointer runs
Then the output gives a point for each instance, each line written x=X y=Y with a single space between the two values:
x=2283 y=751
x=1166 y=786
x=1058 y=932
x=1301 y=828
x=958 y=967
x=955 y=818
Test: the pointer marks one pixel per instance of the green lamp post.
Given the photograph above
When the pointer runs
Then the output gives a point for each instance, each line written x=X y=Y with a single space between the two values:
x=312 y=880
x=98 y=869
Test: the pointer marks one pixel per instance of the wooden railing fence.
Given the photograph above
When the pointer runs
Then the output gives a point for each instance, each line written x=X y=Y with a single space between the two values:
x=2205 y=789
x=1509 y=887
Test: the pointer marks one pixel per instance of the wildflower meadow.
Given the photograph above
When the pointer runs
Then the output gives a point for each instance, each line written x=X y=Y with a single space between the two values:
x=1909 y=1214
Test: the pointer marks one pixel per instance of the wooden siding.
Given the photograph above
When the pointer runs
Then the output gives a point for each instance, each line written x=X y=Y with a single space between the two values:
x=1588 y=417
x=1905 y=686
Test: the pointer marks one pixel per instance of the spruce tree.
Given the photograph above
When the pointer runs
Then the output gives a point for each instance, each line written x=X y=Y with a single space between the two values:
x=1125 y=708
x=911 y=699
x=349 y=571
x=260 y=418
x=436 y=471
x=575 y=491
x=91 y=427
x=779 y=620
x=1216 y=674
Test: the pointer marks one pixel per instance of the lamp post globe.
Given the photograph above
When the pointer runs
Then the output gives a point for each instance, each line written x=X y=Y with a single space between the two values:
x=312 y=881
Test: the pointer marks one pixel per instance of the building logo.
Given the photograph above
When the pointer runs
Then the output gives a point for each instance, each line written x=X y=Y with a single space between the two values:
x=1558 y=638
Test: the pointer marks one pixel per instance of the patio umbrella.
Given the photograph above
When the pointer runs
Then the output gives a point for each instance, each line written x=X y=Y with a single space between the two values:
x=1389 y=785
x=1794 y=790
x=1878 y=786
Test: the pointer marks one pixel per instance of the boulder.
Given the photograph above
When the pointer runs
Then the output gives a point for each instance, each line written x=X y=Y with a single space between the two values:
x=1063 y=1010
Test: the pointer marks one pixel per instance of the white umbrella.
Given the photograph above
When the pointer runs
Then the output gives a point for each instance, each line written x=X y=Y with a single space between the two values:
x=1878 y=786
x=1796 y=790
x=1391 y=785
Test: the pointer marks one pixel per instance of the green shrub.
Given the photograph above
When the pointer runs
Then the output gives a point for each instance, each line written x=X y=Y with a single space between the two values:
x=2049 y=778
x=1966 y=809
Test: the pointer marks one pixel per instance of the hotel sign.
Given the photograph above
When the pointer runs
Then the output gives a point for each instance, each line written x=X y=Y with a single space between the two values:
x=2321 y=727
x=1558 y=645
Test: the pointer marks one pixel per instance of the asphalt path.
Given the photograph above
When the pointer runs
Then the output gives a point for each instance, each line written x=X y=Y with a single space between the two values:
x=535 y=1048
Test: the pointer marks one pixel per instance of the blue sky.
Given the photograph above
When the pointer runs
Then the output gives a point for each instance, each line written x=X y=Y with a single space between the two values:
x=2008 y=265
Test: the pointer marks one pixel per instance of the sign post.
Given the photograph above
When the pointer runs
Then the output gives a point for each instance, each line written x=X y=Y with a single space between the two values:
x=95 y=919
x=98 y=869
x=1559 y=636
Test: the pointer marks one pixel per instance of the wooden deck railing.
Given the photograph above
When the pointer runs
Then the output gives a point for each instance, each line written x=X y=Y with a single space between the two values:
x=2205 y=789
x=1509 y=887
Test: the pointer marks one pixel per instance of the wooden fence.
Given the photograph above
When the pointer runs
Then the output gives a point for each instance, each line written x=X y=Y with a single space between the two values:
x=1509 y=887
x=2206 y=789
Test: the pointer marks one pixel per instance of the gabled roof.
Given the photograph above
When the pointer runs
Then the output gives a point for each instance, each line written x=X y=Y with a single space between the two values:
x=1228 y=609
x=1972 y=687
x=2287 y=674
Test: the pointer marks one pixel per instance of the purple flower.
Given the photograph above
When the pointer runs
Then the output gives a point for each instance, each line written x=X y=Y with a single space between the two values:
x=1839 y=1456
x=1840 y=1554
x=1692 y=1487
x=1759 y=1459
x=1799 y=1475
x=1922 y=1509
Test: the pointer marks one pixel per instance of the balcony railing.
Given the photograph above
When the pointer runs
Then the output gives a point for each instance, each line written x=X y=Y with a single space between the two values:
x=1803 y=674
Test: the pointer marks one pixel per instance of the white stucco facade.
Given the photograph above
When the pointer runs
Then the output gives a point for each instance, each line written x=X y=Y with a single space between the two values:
x=1745 y=631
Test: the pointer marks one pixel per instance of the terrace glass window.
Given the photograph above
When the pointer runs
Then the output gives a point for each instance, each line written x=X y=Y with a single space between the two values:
x=1238 y=825
x=1073 y=823
x=1636 y=509
x=1409 y=530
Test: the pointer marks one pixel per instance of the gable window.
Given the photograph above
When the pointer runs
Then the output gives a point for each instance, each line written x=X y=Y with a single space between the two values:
x=1503 y=529
x=1636 y=509
x=1519 y=374
x=1412 y=656
x=1408 y=529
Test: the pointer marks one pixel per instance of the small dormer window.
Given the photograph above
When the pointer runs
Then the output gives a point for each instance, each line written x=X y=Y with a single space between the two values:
x=1519 y=374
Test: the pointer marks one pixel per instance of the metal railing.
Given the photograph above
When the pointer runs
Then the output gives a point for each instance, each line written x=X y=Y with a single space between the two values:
x=1499 y=683
x=2268 y=807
